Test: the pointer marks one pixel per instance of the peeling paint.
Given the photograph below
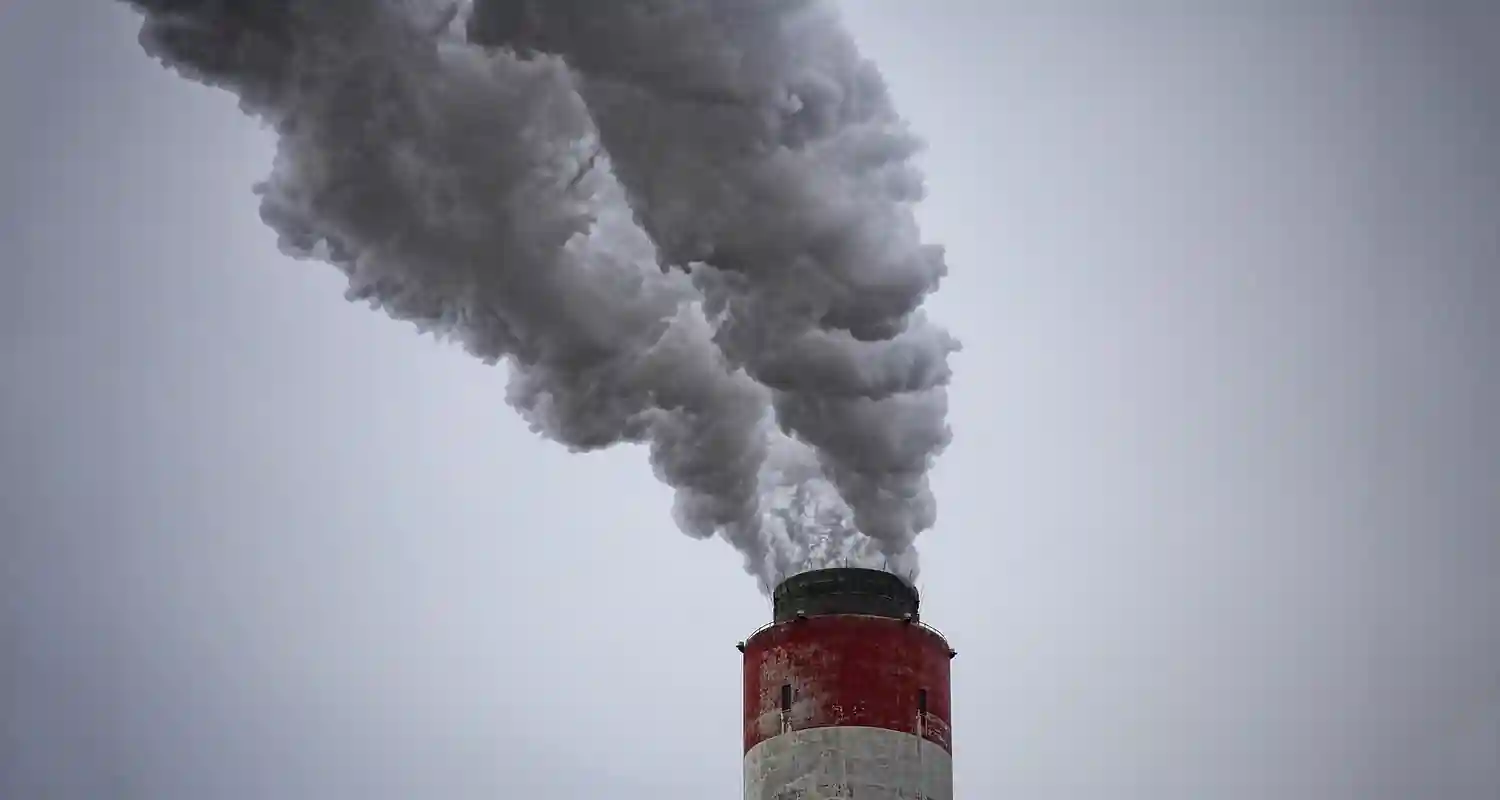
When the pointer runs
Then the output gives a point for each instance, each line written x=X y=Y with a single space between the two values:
x=847 y=670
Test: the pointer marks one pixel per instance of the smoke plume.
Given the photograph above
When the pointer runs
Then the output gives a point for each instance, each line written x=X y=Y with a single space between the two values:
x=682 y=224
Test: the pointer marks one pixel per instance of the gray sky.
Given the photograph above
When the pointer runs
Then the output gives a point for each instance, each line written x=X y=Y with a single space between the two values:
x=1220 y=518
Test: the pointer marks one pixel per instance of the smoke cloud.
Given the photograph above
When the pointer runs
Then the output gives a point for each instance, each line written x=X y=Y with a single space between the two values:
x=681 y=224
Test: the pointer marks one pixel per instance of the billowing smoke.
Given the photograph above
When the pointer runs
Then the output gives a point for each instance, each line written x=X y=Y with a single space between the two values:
x=681 y=223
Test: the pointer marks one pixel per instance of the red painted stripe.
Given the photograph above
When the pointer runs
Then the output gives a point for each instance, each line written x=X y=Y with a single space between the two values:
x=847 y=671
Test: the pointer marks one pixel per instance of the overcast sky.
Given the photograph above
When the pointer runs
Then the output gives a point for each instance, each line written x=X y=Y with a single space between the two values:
x=1220 y=518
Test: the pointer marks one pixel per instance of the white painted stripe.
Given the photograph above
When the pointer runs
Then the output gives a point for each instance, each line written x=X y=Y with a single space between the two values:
x=863 y=763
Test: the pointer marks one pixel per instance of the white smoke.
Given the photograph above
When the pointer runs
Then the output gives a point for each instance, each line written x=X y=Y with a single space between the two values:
x=786 y=385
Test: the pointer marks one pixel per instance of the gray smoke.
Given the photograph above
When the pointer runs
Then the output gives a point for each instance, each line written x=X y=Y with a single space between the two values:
x=760 y=150
x=523 y=182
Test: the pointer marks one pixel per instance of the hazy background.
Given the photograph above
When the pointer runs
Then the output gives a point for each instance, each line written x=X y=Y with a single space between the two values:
x=1222 y=518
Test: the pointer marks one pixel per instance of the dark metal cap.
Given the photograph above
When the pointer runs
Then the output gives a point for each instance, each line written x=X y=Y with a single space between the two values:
x=844 y=590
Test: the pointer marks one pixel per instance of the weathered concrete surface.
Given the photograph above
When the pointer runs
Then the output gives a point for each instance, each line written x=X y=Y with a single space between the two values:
x=859 y=763
x=847 y=670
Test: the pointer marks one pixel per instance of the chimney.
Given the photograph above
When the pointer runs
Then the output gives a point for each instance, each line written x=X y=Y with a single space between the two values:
x=846 y=693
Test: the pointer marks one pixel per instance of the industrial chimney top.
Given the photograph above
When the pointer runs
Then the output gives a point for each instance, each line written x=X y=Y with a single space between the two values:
x=844 y=590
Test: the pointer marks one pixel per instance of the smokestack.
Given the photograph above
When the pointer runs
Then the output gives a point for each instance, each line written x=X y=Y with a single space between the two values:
x=846 y=693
